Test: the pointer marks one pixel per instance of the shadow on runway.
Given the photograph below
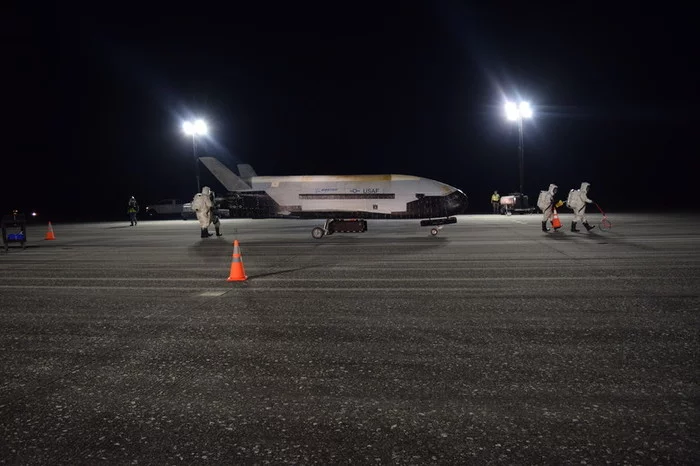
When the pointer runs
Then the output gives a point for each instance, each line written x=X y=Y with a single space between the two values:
x=382 y=239
x=559 y=236
x=280 y=272
x=18 y=248
x=596 y=235
x=223 y=246
x=606 y=237
x=208 y=247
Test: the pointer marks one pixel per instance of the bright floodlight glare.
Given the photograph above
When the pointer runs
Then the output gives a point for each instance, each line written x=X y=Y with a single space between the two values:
x=525 y=110
x=200 y=127
x=511 y=111
x=188 y=128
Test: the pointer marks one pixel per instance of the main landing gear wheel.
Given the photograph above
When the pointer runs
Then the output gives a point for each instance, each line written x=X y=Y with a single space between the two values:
x=317 y=233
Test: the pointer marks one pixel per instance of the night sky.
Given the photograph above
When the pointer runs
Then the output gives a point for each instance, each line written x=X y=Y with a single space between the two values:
x=97 y=96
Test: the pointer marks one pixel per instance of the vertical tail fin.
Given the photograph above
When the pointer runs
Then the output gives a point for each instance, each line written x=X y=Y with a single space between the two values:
x=226 y=177
x=246 y=171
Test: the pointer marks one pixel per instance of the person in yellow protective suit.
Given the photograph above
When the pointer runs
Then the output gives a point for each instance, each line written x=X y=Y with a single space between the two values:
x=203 y=205
x=495 y=201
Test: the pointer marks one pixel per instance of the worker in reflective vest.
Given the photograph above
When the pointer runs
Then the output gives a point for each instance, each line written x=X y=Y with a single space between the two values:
x=495 y=201
x=133 y=209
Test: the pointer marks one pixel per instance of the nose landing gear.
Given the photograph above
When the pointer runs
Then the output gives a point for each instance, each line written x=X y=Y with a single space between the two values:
x=437 y=224
x=318 y=233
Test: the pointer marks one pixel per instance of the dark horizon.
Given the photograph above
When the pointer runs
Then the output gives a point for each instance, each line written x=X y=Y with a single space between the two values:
x=98 y=97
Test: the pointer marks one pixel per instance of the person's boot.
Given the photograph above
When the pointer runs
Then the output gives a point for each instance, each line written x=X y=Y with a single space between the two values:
x=588 y=227
x=573 y=226
x=205 y=233
x=218 y=230
x=544 y=226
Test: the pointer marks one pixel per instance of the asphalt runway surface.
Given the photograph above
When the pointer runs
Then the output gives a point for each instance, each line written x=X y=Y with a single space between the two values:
x=491 y=343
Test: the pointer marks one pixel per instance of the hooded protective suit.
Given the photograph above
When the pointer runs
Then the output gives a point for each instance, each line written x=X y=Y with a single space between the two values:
x=203 y=205
x=579 y=199
x=549 y=200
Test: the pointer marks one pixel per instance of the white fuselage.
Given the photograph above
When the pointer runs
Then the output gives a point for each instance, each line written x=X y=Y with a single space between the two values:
x=381 y=194
x=337 y=196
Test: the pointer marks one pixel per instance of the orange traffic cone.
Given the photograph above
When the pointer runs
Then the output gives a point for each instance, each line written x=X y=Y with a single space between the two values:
x=237 y=273
x=49 y=234
x=556 y=223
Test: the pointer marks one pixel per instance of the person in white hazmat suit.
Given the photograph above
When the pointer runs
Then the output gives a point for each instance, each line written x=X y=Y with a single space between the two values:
x=203 y=205
x=547 y=203
x=577 y=202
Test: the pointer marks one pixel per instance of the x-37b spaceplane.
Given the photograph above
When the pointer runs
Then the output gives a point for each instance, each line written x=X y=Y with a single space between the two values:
x=346 y=202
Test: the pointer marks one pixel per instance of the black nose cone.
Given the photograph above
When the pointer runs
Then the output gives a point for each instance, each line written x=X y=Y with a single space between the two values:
x=457 y=203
